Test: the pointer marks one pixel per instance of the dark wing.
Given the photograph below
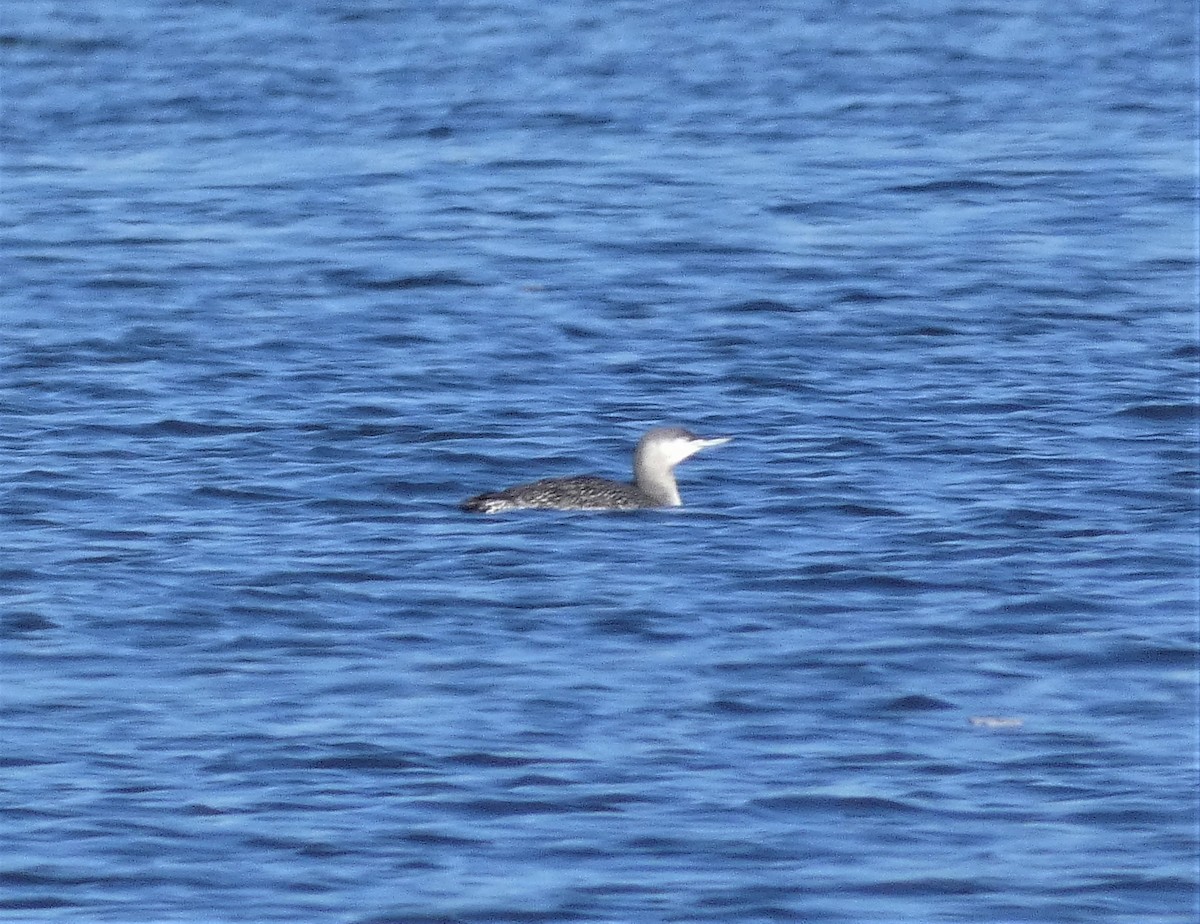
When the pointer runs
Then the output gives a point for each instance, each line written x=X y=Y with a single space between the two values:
x=579 y=492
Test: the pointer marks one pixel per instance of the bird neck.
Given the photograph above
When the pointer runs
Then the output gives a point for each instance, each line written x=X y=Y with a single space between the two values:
x=656 y=481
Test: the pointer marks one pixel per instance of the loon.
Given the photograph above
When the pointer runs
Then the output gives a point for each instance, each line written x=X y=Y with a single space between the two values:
x=657 y=454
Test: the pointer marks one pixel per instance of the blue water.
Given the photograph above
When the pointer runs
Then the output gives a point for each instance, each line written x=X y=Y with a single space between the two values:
x=283 y=283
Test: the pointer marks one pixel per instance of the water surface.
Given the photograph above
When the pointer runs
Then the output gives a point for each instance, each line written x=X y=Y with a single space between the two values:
x=283 y=286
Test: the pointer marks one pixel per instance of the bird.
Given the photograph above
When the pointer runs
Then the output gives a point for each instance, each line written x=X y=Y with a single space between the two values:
x=654 y=461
